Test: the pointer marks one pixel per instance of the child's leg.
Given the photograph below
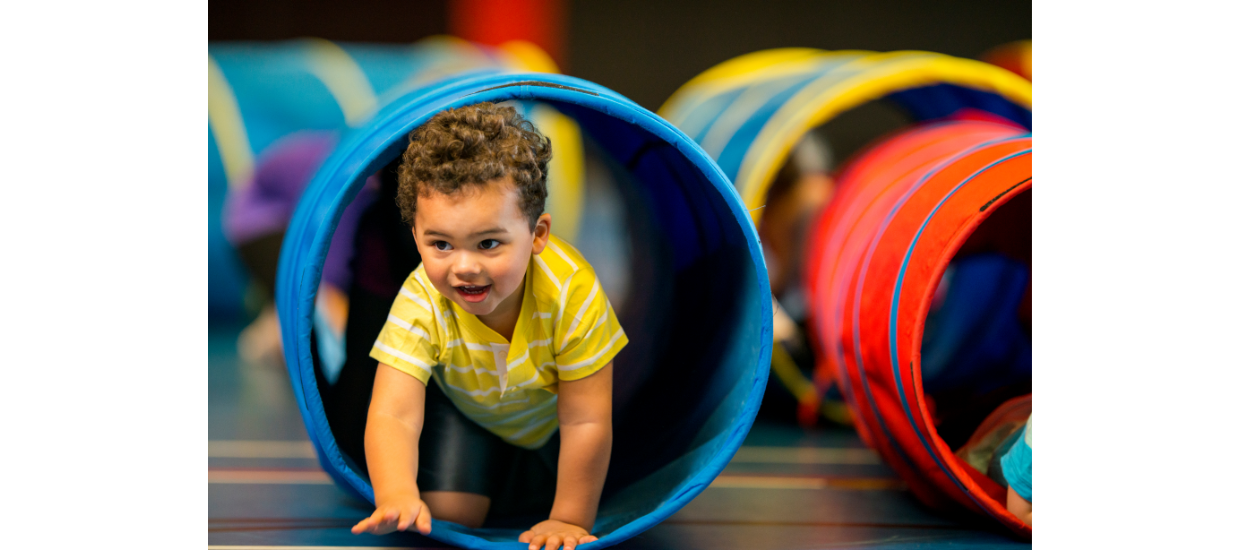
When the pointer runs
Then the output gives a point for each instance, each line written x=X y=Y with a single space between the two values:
x=1019 y=507
x=467 y=509
x=460 y=463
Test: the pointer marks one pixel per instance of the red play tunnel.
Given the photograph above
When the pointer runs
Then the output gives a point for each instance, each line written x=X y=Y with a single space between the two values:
x=921 y=202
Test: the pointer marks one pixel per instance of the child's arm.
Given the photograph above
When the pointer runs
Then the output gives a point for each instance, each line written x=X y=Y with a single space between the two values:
x=585 y=450
x=1019 y=507
x=393 y=425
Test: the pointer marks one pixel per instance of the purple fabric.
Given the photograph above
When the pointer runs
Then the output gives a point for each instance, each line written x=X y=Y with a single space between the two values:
x=265 y=203
x=336 y=266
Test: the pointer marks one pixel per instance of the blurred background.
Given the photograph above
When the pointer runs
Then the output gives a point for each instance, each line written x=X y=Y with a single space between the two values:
x=643 y=49
x=288 y=81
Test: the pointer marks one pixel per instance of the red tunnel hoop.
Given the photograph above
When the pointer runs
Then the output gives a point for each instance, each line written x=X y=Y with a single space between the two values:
x=875 y=257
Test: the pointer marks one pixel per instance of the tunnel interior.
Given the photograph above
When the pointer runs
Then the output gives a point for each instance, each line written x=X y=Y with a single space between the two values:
x=680 y=263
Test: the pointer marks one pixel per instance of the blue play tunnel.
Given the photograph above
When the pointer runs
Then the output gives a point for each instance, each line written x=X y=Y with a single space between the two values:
x=698 y=313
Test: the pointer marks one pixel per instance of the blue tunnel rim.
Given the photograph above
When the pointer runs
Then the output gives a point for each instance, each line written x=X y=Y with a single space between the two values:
x=359 y=154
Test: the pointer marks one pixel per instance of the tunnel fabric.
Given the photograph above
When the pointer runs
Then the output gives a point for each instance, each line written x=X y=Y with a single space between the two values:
x=876 y=256
x=750 y=111
x=714 y=272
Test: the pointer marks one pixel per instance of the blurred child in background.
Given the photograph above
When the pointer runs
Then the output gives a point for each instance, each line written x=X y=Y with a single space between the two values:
x=255 y=218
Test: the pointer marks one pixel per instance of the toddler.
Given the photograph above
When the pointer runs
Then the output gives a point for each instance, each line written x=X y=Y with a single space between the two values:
x=512 y=327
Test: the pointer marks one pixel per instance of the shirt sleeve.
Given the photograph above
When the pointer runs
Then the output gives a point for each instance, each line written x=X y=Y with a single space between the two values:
x=1018 y=464
x=588 y=335
x=409 y=339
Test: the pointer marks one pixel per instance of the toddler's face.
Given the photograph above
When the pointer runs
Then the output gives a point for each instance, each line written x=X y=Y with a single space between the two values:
x=476 y=245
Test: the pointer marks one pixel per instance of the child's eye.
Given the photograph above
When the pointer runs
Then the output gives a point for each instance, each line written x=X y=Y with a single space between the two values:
x=488 y=244
x=441 y=245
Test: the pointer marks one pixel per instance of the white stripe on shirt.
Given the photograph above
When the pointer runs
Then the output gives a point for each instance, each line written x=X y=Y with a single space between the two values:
x=473 y=393
x=577 y=318
x=401 y=355
x=416 y=299
x=496 y=405
x=405 y=325
x=559 y=314
x=601 y=321
x=472 y=369
x=434 y=307
x=590 y=361
x=559 y=251
x=516 y=417
x=533 y=427
x=519 y=360
x=547 y=269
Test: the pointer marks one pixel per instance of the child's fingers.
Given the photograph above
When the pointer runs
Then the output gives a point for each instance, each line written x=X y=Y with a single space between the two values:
x=553 y=542
x=570 y=542
x=536 y=541
x=423 y=520
x=391 y=515
x=587 y=538
x=370 y=524
x=383 y=520
x=526 y=536
x=406 y=519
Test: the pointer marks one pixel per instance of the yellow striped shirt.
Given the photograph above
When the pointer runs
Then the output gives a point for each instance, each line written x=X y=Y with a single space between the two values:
x=567 y=331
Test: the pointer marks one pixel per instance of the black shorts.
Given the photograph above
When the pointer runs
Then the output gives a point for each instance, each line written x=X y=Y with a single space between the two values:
x=456 y=454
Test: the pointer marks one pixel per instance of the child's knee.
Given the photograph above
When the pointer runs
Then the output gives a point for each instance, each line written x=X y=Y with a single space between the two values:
x=466 y=509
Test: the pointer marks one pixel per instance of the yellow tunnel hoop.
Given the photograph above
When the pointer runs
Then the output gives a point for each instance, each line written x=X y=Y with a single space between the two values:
x=850 y=79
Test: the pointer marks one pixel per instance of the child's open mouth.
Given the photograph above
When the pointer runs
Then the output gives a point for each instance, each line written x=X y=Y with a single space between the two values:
x=474 y=293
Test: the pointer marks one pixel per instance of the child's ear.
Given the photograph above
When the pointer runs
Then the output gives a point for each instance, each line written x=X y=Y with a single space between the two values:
x=542 y=232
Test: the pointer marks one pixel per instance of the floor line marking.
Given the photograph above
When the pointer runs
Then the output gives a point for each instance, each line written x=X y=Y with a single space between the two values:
x=744 y=455
x=293 y=476
x=732 y=481
x=805 y=455
x=232 y=547
x=260 y=449
x=268 y=477
x=869 y=525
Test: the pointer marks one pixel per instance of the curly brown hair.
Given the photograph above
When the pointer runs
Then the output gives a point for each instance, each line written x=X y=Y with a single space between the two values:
x=473 y=145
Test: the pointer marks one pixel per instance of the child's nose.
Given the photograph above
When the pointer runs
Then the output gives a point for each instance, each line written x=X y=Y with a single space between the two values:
x=467 y=264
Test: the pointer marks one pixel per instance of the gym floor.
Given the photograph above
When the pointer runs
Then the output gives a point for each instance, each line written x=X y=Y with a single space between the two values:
x=786 y=488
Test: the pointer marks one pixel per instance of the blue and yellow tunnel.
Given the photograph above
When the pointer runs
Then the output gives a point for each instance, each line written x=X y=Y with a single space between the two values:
x=695 y=299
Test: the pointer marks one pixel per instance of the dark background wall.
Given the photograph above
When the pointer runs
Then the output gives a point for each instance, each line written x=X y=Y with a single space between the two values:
x=357 y=21
x=645 y=49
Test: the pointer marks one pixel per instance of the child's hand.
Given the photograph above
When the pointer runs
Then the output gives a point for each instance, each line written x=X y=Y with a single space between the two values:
x=553 y=533
x=397 y=514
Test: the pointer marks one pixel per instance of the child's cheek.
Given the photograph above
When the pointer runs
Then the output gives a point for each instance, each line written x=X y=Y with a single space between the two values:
x=513 y=276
